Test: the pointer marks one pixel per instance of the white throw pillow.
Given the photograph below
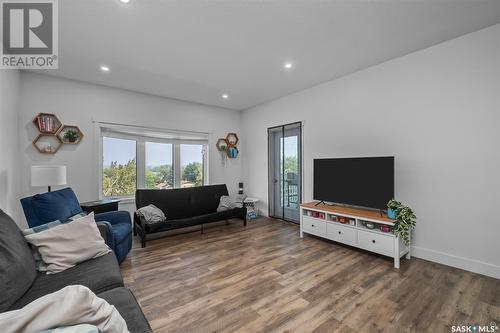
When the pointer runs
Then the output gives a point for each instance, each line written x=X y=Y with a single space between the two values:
x=151 y=214
x=228 y=202
x=40 y=265
x=66 y=245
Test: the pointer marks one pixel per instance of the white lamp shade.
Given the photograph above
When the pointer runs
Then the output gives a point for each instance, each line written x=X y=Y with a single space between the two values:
x=48 y=175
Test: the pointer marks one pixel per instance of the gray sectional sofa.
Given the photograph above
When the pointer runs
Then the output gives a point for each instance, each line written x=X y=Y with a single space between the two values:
x=22 y=283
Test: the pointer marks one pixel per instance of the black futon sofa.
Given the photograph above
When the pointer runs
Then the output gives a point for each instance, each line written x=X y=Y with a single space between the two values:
x=184 y=207
x=22 y=283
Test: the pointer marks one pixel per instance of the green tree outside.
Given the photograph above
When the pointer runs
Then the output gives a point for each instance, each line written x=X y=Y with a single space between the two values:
x=119 y=180
x=193 y=172
x=290 y=190
x=290 y=164
x=162 y=174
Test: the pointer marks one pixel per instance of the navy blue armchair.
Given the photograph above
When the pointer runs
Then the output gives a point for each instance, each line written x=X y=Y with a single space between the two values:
x=62 y=204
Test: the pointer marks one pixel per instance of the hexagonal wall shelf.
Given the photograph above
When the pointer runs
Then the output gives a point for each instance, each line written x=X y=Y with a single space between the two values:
x=47 y=144
x=232 y=151
x=47 y=123
x=222 y=144
x=70 y=135
x=232 y=139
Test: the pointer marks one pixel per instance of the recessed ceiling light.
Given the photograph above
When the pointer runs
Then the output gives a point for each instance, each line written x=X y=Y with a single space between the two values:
x=288 y=65
x=125 y=1
x=104 y=68
x=225 y=96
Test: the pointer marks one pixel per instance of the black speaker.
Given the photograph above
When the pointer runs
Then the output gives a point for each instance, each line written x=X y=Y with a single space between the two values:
x=240 y=188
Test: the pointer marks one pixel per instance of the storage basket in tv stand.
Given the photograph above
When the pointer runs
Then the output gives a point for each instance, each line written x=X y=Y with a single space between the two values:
x=324 y=221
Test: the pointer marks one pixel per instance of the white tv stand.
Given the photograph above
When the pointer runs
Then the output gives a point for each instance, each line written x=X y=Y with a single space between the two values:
x=323 y=221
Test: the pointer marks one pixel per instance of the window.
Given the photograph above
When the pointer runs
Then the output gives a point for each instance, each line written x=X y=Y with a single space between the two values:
x=159 y=167
x=145 y=158
x=119 y=172
x=191 y=165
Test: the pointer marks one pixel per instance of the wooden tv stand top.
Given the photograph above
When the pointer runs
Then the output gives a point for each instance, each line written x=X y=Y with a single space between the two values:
x=350 y=212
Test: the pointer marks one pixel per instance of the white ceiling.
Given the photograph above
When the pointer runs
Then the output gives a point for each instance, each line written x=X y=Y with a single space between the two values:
x=195 y=50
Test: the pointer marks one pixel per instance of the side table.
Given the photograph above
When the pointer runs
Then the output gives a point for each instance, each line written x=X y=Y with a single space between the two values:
x=252 y=211
x=100 y=206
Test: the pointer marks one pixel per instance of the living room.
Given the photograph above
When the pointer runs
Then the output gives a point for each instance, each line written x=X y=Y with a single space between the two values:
x=209 y=140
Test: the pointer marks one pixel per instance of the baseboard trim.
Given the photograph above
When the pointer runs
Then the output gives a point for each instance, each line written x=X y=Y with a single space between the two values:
x=467 y=264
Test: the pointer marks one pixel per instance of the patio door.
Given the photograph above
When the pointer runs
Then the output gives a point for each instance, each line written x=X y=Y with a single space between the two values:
x=285 y=171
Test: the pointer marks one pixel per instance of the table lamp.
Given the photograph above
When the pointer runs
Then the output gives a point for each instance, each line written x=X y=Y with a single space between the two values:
x=48 y=175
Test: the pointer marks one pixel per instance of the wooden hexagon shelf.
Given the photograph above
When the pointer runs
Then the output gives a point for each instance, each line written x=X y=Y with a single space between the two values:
x=232 y=151
x=232 y=139
x=222 y=144
x=47 y=123
x=70 y=135
x=47 y=144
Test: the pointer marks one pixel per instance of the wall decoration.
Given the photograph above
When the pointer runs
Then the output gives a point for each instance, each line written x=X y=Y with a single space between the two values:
x=221 y=144
x=47 y=144
x=70 y=135
x=222 y=148
x=232 y=151
x=232 y=139
x=52 y=133
x=227 y=147
x=47 y=123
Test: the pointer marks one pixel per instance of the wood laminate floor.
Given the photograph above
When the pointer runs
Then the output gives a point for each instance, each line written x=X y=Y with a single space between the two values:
x=264 y=278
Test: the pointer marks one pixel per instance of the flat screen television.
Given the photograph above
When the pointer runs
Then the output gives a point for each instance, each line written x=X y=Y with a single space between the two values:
x=359 y=181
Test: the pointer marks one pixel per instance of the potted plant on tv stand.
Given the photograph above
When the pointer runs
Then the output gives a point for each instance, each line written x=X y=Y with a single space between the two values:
x=405 y=220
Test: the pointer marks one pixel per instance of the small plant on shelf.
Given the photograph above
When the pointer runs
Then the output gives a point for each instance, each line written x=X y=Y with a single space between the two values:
x=405 y=220
x=71 y=135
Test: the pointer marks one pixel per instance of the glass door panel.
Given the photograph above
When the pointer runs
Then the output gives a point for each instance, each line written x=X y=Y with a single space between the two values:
x=285 y=170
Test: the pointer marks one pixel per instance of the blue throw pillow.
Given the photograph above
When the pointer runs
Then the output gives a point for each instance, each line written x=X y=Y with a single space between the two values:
x=52 y=224
x=56 y=205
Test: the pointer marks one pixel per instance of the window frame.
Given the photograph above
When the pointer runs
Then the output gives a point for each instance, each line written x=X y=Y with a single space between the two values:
x=106 y=130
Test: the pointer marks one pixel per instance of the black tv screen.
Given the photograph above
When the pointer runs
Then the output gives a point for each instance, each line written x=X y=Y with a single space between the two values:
x=359 y=181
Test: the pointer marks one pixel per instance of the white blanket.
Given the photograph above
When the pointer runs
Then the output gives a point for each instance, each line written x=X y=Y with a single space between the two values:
x=71 y=305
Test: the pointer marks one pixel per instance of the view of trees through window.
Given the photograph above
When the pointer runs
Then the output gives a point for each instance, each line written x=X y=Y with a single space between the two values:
x=191 y=165
x=159 y=170
x=120 y=166
x=290 y=190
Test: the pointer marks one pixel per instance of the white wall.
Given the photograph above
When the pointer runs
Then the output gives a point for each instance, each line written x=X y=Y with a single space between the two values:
x=438 y=112
x=80 y=104
x=9 y=145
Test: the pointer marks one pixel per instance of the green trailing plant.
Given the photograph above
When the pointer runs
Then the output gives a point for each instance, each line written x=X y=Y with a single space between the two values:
x=71 y=135
x=405 y=220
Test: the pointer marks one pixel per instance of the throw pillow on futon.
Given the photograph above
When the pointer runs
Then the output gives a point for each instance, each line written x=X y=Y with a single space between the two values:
x=65 y=245
x=151 y=214
x=230 y=202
